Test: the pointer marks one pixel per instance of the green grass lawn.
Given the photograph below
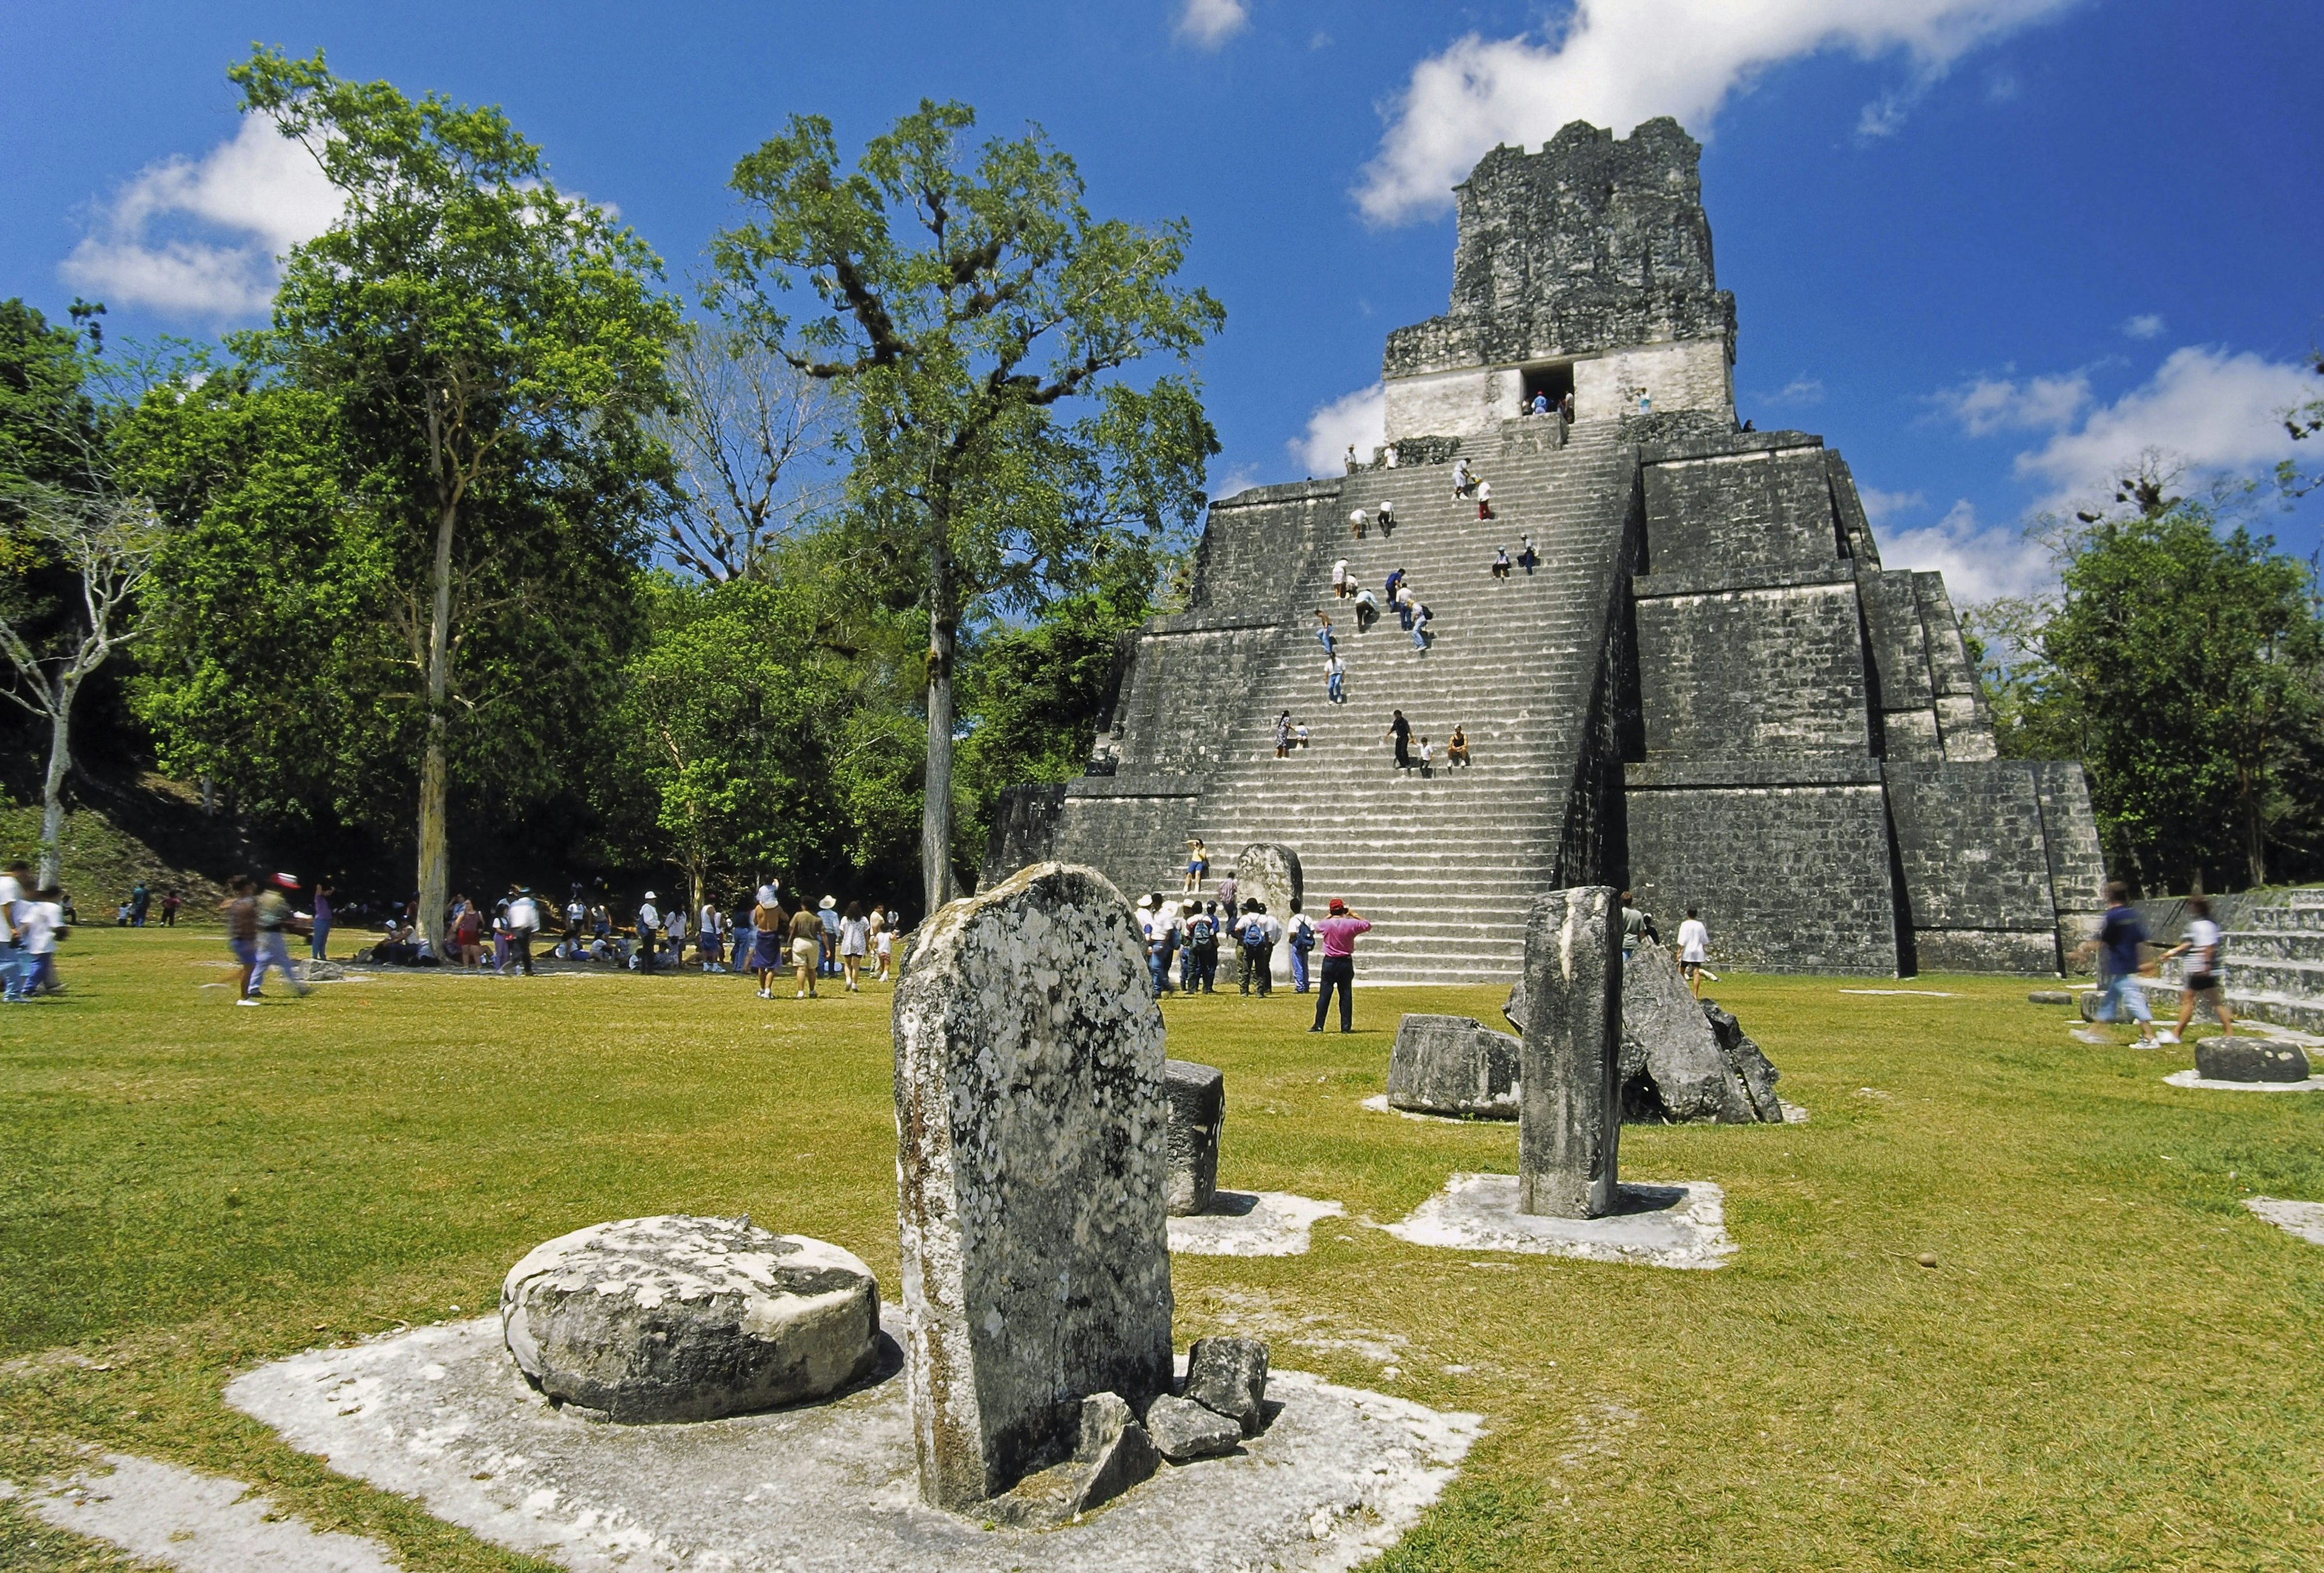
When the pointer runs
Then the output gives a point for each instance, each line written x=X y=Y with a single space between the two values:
x=2113 y=1365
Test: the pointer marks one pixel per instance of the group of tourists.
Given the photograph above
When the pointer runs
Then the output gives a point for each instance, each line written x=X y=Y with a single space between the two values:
x=1189 y=929
x=1412 y=613
x=1400 y=732
x=2121 y=948
x=31 y=920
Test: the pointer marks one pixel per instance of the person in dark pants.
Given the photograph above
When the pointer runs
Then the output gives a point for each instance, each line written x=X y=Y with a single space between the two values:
x=1338 y=932
x=1400 y=730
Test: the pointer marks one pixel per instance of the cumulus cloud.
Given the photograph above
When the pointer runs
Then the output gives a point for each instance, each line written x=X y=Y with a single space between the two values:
x=1208 y=23
x=1803 y=389
x=1881 y=506
x=1978 y=560
x=197 y=238
x=2214 y=411
x=1617 y=62
x=1360 y=418
x=2145 y=324
x=1985 y=405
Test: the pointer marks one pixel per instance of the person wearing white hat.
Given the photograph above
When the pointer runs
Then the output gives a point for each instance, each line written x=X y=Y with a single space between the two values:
x=273 y=915
x=827 y=917
x=649 y=928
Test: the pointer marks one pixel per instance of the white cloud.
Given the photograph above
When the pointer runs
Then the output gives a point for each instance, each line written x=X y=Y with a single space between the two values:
x=1985 y=405
x=2145 y=324
x=1980 y=561
x=1881 y=506
x=1617 y=62
x=1360 y=418
x=2213 y=412
x=197 y=238
x=1803 y=389
x=1208 y=23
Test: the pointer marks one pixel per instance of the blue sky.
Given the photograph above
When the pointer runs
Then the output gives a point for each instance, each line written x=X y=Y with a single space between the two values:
x=1990 y=248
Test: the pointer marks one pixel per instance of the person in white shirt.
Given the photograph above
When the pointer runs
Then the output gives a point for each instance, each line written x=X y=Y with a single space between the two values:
x=1694 y=949
x=1387 y=510
x=1302 y=935
x=2206 y=971
x=1357 y=520
x=1340 y=579
x=1427 y=759
x=649 y=928
x=37 y=922
x=523 y=924
x=883 y=939
x=854 y=944
x=15 y=968
x=711 y=944
x=1256 y=937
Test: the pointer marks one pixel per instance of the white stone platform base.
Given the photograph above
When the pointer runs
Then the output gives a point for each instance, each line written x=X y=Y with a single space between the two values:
x=1683 y=1224
x=1242 y=1223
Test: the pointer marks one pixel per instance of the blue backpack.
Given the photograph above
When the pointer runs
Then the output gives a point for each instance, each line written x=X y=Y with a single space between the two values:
x=1200 y=932
x=1254 y=933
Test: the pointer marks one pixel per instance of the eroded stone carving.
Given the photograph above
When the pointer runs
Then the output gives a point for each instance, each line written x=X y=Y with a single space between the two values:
x=1031 y=1172
x=1570 y=1105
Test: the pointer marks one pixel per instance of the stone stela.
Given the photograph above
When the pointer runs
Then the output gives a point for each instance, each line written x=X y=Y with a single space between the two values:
x=1031 y=1133
x=1570 y=1085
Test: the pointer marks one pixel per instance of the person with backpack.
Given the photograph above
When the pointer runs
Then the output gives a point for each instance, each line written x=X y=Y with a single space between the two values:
x=1421 y=616
x=1202 y=947
x=1302 y=941
x=1256 y=936
x=2206 y=971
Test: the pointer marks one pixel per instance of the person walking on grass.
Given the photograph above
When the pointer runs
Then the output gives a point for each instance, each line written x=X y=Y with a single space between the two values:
x=241 y=910
x=854 y=944
x=41 y=922
x=2121 y=945
x=14 y=880
x=1399 y=731
x=170 y=902
x=1200 y=948
x=2206 y=971
x=1694 y=949
x=319 y=930
x=1338 y=932
x=807 y=949
x=827 y=914
x=648 y=930
x=524 y=926
x=766 y=941
x=884 y=940
x=467 y=934
x=272 y=916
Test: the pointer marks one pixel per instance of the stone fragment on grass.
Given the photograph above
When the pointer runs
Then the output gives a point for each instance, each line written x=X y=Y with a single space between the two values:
x=1111 y=1453
x=1031 y=1157
x=2249 y=1060
x=1198 y=1094
x=1184 y=1430
x=1453 y=1065
x=2050 y=996
x=1228 y=1376
x=1747 y=1063
x=687 y=1318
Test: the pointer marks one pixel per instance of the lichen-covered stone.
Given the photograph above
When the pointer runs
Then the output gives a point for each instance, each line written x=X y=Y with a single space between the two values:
x=1198 y=1094
x=1570 y=1105
x=687 y=1318
x=2249 y=1060
x=1031 y=1141
x=1684 y=1061
x=1228 y=1376
x=1455 y=1066
x=1184 y=1430
x=1111 y=1453
x=1747 y=1064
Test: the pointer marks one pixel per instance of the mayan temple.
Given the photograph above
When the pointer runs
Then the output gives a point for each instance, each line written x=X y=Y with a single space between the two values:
x=1709 y=689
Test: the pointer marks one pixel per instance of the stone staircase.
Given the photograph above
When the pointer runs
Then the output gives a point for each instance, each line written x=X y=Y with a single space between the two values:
x=1444 y=866
x=2275 y=961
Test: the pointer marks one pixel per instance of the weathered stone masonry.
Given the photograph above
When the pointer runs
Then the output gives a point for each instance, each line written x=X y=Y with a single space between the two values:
x=1713 y=692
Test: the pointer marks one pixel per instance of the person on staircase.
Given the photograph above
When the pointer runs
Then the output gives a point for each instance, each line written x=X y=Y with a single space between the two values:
x=1456 y=747
x=1527 y=557
x=1460 y=479
x=1340 y=579
x=1367 y=610
x=1404 y=599
x=1421 y=616
x=1335 y=672
x=1339 y=929
x=1427 y=760
x=1388 y=515
x=1283 y=735
x=1500 y=562
x=1540 y=405
x=1399 y=731
x=1395 y=577
x=1198 y=863
x=1484 y=499
x=1356 y=522
x=1324 y=629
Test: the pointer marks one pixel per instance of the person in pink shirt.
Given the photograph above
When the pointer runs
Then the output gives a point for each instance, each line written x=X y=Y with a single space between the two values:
x=1338 y=932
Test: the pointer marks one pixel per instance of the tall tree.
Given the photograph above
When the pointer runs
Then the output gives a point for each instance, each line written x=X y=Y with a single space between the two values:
x=977 y=316
x=493 y=351
x=755 y=442
x=76 y=546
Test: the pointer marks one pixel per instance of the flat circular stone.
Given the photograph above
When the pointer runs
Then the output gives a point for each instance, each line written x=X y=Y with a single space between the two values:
x=687 y=1318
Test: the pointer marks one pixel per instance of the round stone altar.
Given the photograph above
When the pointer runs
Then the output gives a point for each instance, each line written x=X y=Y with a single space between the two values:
x=644 y=1320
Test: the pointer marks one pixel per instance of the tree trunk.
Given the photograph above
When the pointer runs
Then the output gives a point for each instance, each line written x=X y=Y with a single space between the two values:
x=52 y=786
x=435 y=853
x=935 y=801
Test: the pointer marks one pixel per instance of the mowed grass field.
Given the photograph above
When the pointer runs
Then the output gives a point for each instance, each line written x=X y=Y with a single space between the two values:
x=2113 y=1364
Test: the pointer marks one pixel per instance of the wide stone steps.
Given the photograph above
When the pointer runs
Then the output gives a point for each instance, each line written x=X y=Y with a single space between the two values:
x=2274 y=968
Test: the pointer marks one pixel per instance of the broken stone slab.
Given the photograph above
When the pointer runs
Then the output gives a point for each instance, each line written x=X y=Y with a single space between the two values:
x=1112 y=1454
x=1453 y=1065
x=668 y=1318
x=2050 y=996
x=1673 y=1073
x=2304 y=1219
x=1569 y=1100
x=1031 y=1159
x=1681 y=1226
x=1184 y=1430
x=1198 y=1094
x=1747 y=1064
x=2249 y=1060
x=437 y=1414
x=1228 y=1376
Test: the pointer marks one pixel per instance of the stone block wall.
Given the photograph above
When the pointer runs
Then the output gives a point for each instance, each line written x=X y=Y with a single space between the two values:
x=1126 y=825
x=1739 y=512
x=1258 y=541
x=1751 y=672
x=1791 y=876
x=1684 y=375
x=1976 y=867
x=1468 y=403
x=1191 y=680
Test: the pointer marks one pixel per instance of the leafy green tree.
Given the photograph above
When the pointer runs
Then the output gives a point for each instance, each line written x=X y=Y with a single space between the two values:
x=976 y=316
x=492 y=352
x=2181 y=663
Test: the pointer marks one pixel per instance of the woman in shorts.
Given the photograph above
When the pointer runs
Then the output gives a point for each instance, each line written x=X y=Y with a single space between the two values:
x=2205 y=970
x=1198 y=861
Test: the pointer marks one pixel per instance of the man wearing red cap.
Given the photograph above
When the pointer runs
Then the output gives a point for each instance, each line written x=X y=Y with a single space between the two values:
x=1338 y=932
